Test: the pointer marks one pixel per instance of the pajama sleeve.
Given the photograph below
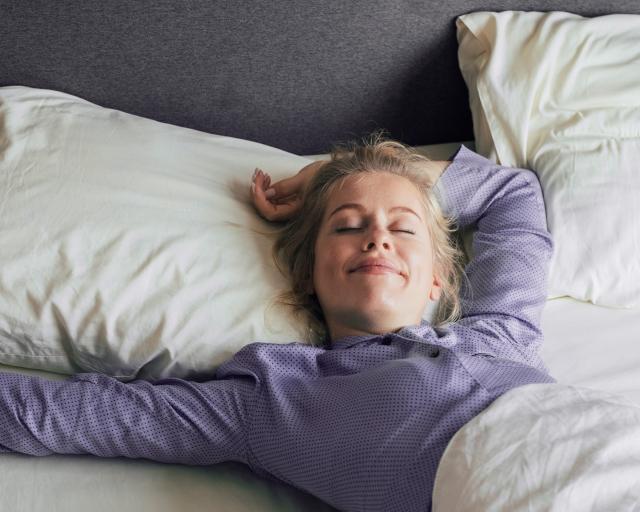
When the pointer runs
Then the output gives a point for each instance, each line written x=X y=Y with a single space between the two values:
x=170 y=420
x=505 y=286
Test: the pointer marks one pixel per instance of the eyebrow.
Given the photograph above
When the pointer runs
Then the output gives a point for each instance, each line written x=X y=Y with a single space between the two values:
x=362 y=208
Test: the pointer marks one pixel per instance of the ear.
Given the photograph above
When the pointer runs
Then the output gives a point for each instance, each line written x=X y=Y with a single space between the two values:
x=436 y=290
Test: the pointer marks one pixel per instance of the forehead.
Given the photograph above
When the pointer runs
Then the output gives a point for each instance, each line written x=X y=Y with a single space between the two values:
x=376 y=191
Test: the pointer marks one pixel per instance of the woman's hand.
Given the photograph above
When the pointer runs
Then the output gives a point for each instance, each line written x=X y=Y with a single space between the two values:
x=282 y=200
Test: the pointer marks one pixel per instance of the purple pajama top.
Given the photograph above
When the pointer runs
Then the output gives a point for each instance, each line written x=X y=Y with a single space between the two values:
x=361 y=425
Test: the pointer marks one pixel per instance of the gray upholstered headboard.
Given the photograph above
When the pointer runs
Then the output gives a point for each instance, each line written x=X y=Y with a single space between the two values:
x=293 y=74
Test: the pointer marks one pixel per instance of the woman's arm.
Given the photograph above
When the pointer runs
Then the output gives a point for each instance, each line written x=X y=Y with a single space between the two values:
x=170 y=420
x=286 y=199
x=506 y=286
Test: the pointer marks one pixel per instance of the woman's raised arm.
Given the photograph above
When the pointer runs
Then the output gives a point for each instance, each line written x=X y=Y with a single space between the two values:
x=506 y=285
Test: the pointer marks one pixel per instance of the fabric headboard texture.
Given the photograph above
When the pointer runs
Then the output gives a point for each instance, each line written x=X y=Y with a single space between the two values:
x=294 y=75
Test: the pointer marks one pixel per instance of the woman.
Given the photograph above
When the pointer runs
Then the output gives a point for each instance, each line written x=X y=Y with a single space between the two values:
x=362 y=421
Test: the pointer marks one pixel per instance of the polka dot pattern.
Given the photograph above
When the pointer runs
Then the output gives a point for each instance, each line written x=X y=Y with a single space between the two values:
x=362 y=425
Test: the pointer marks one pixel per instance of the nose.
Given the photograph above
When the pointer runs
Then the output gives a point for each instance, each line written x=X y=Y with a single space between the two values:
x=376 y=237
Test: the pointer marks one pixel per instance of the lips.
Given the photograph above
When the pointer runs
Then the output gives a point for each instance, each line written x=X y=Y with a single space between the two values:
x=373 y=263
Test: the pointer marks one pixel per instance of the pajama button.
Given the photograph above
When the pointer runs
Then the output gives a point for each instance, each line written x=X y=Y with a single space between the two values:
x=434 y=353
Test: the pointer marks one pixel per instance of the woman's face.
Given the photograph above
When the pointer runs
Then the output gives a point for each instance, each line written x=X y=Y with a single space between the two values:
x=371 y=217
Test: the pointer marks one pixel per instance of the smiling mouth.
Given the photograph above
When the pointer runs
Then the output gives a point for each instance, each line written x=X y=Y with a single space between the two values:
x=375 y=269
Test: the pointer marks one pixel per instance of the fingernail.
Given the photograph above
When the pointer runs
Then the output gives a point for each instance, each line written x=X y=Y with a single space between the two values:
x=270 y=192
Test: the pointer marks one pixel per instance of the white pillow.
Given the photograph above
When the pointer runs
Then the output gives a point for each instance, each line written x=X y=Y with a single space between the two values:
x=560 y=94
x=126 y=243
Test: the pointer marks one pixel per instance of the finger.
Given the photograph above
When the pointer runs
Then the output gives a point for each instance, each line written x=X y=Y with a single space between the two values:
x=267 y=180
x=270 y=210
x=287 y=186
x=265 y=207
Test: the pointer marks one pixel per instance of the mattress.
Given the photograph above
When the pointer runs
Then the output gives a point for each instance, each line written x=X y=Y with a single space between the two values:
x=585 y=345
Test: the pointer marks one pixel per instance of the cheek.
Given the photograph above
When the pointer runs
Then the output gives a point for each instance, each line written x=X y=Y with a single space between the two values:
x=419 y=259
x=330 y=258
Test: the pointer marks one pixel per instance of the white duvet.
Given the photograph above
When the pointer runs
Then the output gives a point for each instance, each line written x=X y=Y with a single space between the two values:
x=547 y=447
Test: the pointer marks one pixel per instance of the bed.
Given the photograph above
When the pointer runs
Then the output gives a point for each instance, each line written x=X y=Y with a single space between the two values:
x=128 y=136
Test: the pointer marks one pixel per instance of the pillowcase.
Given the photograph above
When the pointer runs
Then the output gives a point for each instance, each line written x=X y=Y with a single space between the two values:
x=560 y=94
x=127 y=244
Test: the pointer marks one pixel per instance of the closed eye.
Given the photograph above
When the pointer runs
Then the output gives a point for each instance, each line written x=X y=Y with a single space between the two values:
x=340 y=230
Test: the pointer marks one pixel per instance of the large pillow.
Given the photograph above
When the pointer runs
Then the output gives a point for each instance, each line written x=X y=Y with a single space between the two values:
x=560 y=94
x=127 y=245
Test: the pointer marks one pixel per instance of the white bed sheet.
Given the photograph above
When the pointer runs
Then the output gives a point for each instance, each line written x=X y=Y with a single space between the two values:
x=593 y=346
x=585 y=345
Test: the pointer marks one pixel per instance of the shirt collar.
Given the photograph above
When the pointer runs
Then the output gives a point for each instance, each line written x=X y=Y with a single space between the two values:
x=414 y=332
x=349 y=341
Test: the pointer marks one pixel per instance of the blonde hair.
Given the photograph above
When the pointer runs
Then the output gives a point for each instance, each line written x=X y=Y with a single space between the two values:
x=293 y=249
